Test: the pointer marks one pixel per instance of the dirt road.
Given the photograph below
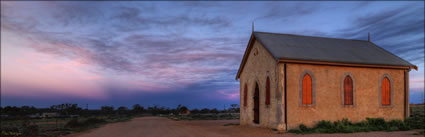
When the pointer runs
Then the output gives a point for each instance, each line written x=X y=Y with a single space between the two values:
x=163 y=127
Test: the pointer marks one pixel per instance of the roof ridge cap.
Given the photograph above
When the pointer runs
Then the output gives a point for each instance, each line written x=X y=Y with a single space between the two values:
x=310 y=36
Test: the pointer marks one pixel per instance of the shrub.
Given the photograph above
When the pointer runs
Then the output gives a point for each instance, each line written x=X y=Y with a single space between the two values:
x=376 y=121
x=416 y=122
x=326 y=130
x=363 y=123
x=342 y=127
x=30 y=131
x=303 y=128
x=295 y=131
x=395 y=125
x=346 y=122
x=234 y=124
x=324 y=124
x=377 y=124
x=92 y=121
x=73 y=123
x=345 y=126
x=10 y=132
x=360 y=129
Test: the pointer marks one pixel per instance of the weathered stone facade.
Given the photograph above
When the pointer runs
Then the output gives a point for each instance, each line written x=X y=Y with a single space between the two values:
x=257 y=68
x=327 y=88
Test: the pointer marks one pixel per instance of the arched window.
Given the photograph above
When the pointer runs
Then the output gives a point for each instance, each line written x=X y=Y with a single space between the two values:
x=245 y=95
x=307 y=97
x=386 y=91
x=348 y=91
x=268 y=91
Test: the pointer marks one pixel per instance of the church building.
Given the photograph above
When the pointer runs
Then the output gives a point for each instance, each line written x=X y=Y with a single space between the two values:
x=287 y=80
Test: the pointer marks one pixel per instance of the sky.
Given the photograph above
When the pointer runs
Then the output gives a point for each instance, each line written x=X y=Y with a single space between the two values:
x=169 y=53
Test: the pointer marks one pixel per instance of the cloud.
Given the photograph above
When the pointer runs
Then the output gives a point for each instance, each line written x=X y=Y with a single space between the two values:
x=136 y=19
x=149 y=50
x=166 y=60
x=398 y=30
x=286 y=12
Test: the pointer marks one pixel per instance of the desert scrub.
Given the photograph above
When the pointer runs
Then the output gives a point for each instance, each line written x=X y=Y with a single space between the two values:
x=75 y=123
x=416 y=122
x=346 y=126
x=10 y=132
x=26 y=129
x=231 y=124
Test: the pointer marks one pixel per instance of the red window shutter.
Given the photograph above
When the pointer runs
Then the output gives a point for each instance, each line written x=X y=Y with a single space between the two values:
x=245 y=95
x=307 y=97
x=268 y=91
x=385 y=92
x=348 y=91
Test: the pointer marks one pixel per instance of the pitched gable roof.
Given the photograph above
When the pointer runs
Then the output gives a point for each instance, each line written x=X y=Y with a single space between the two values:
x=308 y=48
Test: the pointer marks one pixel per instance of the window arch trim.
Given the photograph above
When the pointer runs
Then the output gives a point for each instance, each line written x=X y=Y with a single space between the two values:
x=313 y=88
x=343 y=92
x=380 y=91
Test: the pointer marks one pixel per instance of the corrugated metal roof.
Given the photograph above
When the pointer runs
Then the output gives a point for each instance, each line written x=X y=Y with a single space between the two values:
x=286 y=46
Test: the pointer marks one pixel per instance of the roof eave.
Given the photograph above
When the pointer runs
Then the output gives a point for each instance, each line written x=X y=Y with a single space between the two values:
x=346 y=64
x=248 y=50
x=415 y=67
x=245 y=56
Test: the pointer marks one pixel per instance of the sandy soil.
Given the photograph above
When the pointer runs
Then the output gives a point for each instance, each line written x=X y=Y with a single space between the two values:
x=163 y=127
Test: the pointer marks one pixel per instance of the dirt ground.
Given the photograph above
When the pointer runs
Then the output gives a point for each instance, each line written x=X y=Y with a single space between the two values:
x=163 y=127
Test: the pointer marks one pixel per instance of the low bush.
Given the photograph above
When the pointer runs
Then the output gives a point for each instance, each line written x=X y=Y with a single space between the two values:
x=303 y=128
x=377 y=124
x=30 y=131
x=346 y=126
x=231 y=124
x=395 y=125
x=92 y=121
x=324 y=124
x=295 y=131
x=73 y=123
x=416 y=122
x=10 y=132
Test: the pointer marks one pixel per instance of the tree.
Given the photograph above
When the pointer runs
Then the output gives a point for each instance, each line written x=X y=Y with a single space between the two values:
x=205 y=110
x=13 y=111
x=234 y=108
x=178 y=108
x=107 y=109
x=183 y=109
x=214 y=110
x=137 y=109
x=122 y=110
x=27 y=110
x=66 y=108
x=195 y=111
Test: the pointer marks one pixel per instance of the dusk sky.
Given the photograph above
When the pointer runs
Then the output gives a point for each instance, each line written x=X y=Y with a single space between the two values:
x=170 y=53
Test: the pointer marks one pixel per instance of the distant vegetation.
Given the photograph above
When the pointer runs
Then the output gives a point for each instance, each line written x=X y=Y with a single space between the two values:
x=69 y=118
x=205 y=114
x=415 y=121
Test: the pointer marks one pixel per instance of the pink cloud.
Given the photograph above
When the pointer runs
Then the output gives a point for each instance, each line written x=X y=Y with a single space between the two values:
x=229 y=94
x=24 y=67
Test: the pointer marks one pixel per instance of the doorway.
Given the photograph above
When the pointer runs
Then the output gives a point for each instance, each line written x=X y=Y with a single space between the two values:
x=256 y=104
